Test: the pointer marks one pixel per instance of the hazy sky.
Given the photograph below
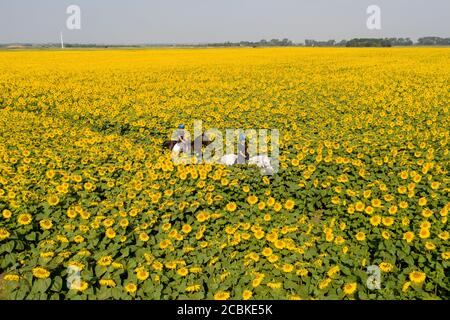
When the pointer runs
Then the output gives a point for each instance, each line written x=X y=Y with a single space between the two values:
x=197 y=21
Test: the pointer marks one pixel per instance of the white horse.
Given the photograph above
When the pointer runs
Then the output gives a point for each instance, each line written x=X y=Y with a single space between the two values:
x=180 y=147
x=261 y=161
x=228 y=159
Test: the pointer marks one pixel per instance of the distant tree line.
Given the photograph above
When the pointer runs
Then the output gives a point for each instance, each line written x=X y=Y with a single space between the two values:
x=381 y=42
x=77 y=45
x=262 y=43
x=356 y=42
x=433 y=41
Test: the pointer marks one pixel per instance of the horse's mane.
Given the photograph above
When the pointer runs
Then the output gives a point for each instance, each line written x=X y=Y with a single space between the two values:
x=201 y=141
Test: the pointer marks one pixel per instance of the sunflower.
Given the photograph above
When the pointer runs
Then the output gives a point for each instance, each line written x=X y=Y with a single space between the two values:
x=376 y=203
x=202 y=217
x=261 y=205
x=165 y=243
x=158 y=266
x=359 y=206
x=427 y=213
x=375 y=220
x=424 y=233
x=329 y=236
x=246 y=294
x=41 y=273
x=333 y=271
x=4 y=234
x=24 y=218
x=408 y=236
x=393 y=209
x=11 y=277
x=369 y=210
x=339 y=240
x=302 y=272
x=259 y=234
x=279 y=244
x=360 y=236
x=79 y=285
x=324 y=283
x=7 y=213
x=143 y=236
x=193 y=288
x=50 y=174
x=417 y=277
x=288 y=267
x=104 y=261
x=110 y=233
x=277 y=207
x=289 y=205
x=231 y=207
x=403 y=204
x=444 y=235
x=350 y=288
x=387 y=221
x=183 y=272
x=274 y=285
x=186 y=228
x=435 y=185
x=124 y=223
x=267 y=251
x=78 y=239
x=272 y=237
x=142 y=274
x=53 y=200
x=130 y=288
x=222 y=295
x=404 y=175
x=107 y=283
x=71 y=213
x=270 y=201
x=385 y=234
x=422 y=201
x=252 y=199
x=386 y=267
x=402 y=189
x=77 y=178
x=425 y=225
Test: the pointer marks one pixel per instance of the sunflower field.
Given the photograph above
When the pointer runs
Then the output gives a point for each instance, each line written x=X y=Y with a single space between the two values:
x=357 y=210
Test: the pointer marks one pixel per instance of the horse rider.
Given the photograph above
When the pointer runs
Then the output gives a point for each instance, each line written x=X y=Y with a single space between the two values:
x=182 y=139
x=242 y=150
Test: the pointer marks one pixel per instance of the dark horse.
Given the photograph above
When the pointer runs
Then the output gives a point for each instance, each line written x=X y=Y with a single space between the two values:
x=196 y=145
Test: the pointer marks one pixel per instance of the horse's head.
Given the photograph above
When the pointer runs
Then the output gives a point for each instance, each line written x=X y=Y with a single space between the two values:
x=169 y=144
